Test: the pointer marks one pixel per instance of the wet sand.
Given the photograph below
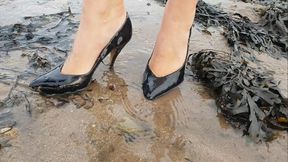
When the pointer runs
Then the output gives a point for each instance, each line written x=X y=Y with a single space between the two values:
x=112 y=121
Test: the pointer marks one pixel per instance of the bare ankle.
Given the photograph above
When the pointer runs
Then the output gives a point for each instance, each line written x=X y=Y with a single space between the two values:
x=103 y=10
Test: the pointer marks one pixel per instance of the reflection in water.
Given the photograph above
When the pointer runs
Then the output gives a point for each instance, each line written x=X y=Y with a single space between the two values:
x=113 y=129
x=132 y=131
x=165 y=123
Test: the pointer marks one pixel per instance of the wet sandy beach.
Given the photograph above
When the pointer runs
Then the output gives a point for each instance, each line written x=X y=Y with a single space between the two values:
x=112 y=121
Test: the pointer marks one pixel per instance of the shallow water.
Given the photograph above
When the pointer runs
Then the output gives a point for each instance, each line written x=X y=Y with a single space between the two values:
x=112 y=121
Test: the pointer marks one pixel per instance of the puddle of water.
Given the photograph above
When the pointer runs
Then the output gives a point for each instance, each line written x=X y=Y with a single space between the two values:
x=113 y=121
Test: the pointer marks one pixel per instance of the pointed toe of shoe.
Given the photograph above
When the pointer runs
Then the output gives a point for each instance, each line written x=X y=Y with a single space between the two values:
x=148 y=92
x=154 y=87
x=35 y=84
x=42 y=86
x=46 y=81
x=55 y=83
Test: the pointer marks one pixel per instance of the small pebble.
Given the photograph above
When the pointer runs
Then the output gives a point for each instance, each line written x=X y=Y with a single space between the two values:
x=102 y=99
x=111 y=87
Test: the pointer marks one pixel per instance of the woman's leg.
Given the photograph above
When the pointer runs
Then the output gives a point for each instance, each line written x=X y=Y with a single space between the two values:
x=100 y=20
x=171 y=45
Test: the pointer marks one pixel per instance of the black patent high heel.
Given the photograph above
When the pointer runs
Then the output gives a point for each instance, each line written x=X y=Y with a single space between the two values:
x=55 y=83
x=154 y=86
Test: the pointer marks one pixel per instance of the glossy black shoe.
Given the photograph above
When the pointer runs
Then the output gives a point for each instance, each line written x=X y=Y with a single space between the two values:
x=55 y=83
x=154 y=86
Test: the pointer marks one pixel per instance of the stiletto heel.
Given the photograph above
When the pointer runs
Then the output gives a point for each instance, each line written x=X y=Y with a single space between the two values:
x=114 y=54
x=154 y=86
x=55 y=83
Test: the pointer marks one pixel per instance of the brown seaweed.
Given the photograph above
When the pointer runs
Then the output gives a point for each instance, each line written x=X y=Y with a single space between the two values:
x=269 y=35
x=275 y=21
x=249 y=98
x=278 y=3
x=45 y=39
x=239 y=31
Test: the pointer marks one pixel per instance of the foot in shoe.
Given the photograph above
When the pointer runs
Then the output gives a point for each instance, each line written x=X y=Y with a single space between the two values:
x=171 y=46
x=93 y=35
x=56 y=83
x=168 y=63
x=170 y=52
